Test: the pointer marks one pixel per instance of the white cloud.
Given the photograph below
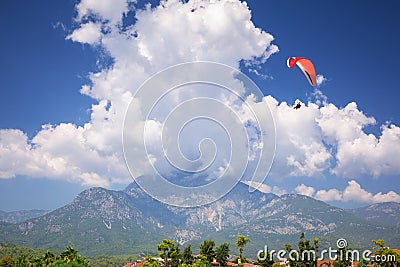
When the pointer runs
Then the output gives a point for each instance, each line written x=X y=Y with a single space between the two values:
x=59 y=152
x=388 y=197
x=329 y=195
x=318 y=97
x=359 y=152
x=219 y=31
x=173 y=32
x=320 y=80
x=211 y=31
x=266 y=188
x=14 y=152
x=353 y=192
x=300 y=147
x=302 y=189
x=315 y=139
x=88 y=33
x=104 y=9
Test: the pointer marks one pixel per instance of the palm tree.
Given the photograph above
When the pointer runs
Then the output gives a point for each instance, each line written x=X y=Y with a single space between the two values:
x=48 y=257
x=241 y=241
x=69 y=254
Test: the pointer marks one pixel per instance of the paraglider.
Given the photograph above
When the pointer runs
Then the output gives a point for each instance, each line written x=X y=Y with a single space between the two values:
x=306 y=67
x=297 y=106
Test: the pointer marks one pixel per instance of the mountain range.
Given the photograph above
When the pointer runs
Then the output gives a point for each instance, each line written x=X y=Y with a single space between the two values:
x=384 y=213
x=102 y=221
x=20 y=216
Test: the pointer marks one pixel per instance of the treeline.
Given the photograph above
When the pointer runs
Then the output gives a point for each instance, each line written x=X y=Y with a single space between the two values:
x=25 y=256
x=172 y=255
x=69 y=257
x=305 y=253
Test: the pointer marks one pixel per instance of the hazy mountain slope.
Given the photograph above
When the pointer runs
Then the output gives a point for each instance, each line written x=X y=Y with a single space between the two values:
x=287 y=217
x=20 y=216
x=384 y=213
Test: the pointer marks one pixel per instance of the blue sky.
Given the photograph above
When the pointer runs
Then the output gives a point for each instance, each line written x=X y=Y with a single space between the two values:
x=352 y=44
x=41 y=72
x=44 y=66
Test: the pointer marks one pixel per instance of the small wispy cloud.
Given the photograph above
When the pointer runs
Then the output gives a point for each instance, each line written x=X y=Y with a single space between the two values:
x=321 y=80
x=266 y=188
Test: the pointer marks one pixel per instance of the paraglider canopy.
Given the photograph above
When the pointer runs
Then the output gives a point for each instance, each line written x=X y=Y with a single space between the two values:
x=306 y=67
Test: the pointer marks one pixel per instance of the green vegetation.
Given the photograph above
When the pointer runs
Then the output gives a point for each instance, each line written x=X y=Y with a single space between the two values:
x=24 y=256
x=384 y=256
x=306 y=259
x=241 y=241
x=207 y=250
x=169 y=252
x=304 y=254
x=70 y=257
x=222 y=253
x=109 y=261
x=187 y=255
x=17 y=251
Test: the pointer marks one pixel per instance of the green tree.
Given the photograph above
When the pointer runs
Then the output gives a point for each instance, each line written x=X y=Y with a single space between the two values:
x=384 y=256
x=109 y=261
x=187 y=255
x=305 y=255
x=36 y=261
x=7 y=261
x=69 y=254
x=241 y=242
x=168 y=250
x=62 y=263
x=22 y=261
x=48 y=258
x=207 y=249
x=164 y=248
x=81 y=260
x=201 y=261
x=175 y=256
x=222 y=253
x=150 y=262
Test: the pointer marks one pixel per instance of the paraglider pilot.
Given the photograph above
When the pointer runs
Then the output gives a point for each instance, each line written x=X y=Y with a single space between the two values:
x=297 y=106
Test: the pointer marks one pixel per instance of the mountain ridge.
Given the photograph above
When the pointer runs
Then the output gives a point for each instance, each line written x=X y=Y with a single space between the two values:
x=384 y=213
x=20 y=215
x=103 y=221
